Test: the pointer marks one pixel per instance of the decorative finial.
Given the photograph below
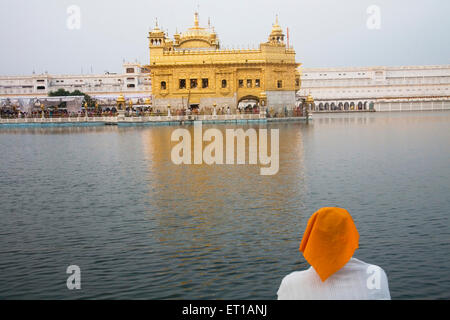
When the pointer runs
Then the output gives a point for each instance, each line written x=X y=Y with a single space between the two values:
x=196 y=19
x=156 y=19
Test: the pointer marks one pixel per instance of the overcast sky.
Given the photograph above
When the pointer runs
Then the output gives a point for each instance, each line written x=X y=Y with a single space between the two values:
x=325 y=33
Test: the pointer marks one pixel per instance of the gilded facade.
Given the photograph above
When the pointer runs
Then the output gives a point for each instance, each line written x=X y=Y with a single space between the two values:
x=192 y=71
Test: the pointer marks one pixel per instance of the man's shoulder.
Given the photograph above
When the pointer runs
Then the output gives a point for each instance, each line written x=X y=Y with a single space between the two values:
x=292 y=283
x=356 y=263
x=298 y=276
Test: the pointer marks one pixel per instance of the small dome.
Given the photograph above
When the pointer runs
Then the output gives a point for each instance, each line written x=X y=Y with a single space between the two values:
x=197 y=37
x=276 y=29
x=121 y=98
x=276 y=35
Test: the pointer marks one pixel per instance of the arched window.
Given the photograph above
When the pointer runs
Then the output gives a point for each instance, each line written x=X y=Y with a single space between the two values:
x=163 y=85
x=224 y=83
x=279 y=84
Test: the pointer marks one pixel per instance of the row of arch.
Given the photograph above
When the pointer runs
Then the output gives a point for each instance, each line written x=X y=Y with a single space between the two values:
x=156 y=42
x=331 y=106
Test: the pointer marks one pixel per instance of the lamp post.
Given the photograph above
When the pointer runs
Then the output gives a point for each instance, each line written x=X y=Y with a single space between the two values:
x=309 y=103
x=42 y=111
x=215 y=111
x=86 y=110
x=96 y=107
x=130 y=104
x=120 y=107
x=168 y=110
x=262 y=111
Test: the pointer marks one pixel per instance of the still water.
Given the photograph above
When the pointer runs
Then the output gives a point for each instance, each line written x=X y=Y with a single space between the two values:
x=110 y=200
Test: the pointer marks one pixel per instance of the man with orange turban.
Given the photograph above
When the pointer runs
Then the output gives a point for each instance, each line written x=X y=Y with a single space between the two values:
x=328 y=244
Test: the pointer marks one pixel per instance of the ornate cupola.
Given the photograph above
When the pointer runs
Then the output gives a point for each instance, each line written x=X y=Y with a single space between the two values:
x=157 y=37
x=197 y=38
x=276 y=36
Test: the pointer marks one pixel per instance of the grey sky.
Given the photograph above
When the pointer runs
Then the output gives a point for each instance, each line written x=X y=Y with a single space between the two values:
x=324 y=33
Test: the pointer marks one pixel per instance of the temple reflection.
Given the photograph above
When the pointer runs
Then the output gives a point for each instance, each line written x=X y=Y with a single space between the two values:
x=195 y=205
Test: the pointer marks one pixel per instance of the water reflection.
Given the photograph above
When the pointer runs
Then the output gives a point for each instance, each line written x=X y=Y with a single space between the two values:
x=110 y=199
x=218 y=220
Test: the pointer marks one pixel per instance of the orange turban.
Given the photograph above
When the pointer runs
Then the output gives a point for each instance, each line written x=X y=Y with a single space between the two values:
x=329 y=241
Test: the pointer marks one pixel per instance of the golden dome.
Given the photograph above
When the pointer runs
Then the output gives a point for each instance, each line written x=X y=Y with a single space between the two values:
x=121 y=98
x=197 y=37
x=309 y=98
x=148 y=101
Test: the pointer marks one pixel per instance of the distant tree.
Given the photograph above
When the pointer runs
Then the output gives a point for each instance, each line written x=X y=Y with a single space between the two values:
x=77 y=93
x=65 y=93
x=59 y=93
x=90 y=102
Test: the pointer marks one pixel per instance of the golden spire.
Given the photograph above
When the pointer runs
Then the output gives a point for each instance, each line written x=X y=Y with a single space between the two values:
x=196 y=20
x=276 y=35
x=156 y=28
x=276 y=27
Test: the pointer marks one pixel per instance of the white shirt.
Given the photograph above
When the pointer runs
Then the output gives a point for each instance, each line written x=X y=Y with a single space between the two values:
x=357 y=280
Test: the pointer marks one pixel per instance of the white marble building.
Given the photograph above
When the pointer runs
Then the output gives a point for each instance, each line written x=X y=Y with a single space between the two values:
x=132 y=82
x=381 y=88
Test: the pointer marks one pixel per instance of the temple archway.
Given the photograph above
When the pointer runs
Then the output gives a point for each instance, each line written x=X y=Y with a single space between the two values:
x=248 y=103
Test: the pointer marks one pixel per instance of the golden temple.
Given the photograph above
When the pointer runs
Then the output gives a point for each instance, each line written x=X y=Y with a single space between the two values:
x=192 y=71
